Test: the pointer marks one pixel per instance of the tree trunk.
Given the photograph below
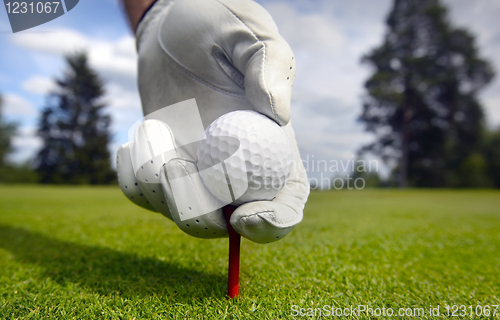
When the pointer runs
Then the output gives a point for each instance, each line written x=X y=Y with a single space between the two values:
x=403 y=163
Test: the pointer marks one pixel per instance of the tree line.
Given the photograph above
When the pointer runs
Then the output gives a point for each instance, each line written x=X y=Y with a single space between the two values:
x=74 y=129
x=421 y=105
x=421 y=102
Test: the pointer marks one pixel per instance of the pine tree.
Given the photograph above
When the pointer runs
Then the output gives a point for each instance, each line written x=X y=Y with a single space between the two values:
x=422 y=98
x=7 y=131
x=75 y=129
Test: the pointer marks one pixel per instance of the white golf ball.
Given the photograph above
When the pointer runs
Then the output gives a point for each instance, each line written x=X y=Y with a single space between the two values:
x=244 y=156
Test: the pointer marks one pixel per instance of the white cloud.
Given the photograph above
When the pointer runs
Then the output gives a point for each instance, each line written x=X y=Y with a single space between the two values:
x=313 y=32
x=59 y=42
x=26 y=143
x=326 y=135
x=121 y=99
x=114 y=60
x=15 y=105
x=124 y=108
x=328 y=44
x=38 y=84
x=493 y=109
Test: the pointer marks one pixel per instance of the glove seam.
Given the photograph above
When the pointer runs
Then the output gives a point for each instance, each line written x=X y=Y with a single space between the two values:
x=164 y=186
x=190 y=74
x=146 y=24
x=265 y=85
x=269 y=211
x=174 y=142
x=263 y=61
x=144 y=14
x=199 y=79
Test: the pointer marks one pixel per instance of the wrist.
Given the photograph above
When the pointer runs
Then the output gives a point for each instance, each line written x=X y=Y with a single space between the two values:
x=155 y=11
x=136 y=10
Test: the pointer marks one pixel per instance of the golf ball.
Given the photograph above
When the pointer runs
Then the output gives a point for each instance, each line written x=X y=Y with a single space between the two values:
x=244 y=156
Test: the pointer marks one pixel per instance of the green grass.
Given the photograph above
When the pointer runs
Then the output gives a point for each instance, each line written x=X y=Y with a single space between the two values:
x=86 y=253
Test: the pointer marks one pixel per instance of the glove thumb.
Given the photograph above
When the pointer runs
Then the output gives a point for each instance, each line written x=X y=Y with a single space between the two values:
x=266 y=61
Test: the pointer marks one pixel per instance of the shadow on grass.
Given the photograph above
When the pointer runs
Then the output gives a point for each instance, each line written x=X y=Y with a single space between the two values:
x=109 y=272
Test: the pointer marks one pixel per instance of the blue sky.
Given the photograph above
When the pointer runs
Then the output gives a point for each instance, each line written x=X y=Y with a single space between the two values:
x=327 y=36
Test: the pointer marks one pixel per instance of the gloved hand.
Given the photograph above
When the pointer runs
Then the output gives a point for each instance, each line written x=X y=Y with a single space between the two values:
x=227 y=55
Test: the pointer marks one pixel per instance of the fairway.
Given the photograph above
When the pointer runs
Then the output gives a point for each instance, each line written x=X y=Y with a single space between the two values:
x=87 y=253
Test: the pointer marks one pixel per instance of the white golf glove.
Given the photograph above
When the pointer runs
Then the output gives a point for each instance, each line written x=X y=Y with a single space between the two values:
x=227 y=55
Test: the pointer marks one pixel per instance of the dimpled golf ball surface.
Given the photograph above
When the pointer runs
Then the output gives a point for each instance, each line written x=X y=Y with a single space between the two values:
x=256 y=156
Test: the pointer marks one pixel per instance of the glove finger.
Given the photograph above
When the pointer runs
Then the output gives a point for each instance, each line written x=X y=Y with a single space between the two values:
x=297 y=188
x=193 y=208
x=237 y=58
x=264 y=221
x=265 y=59
x=126 y=178
x=267 y=221
x=153 y=146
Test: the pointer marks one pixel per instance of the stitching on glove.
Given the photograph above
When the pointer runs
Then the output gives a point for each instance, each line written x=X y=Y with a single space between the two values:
x=171 y=133
x=263 y=61
x=226 y=65
x=167 y=191
x=259 y=222
x=191 y=74
x=201 y=80
x=279 y=220
x=257 y=213
x=265 y=85
x=185 y=169
x=149 y=138
x=145 y=25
